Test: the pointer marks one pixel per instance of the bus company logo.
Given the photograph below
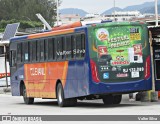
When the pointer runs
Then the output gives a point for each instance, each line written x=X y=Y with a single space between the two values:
x=106 y=76
x=102 y=34
x=122 y=75
x=37 y=71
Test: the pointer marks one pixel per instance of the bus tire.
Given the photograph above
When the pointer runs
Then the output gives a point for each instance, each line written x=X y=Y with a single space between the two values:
x=62 y=102
x=27 y=100
x=138 y=97
x=108 y=99
x=117 y=99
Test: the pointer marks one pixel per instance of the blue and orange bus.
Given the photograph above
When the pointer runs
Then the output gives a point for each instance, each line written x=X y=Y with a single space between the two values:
x=95 y=61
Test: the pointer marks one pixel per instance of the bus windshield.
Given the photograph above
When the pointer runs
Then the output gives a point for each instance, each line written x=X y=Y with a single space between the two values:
x=120 y=52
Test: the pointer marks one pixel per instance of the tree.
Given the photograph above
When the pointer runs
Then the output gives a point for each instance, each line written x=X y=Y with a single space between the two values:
x=26 y=10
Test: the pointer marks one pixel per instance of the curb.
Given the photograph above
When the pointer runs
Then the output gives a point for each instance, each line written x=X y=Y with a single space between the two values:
x=4 y=90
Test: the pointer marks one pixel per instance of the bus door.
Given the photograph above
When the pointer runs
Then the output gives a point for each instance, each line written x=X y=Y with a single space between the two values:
x=13 y=68
x=155 y=41
x=13 y=61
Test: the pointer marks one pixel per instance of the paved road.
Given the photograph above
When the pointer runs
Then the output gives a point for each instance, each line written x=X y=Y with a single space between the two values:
x=14 y=105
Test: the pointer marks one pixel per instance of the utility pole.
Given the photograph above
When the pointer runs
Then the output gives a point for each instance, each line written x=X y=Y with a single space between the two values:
x=156 y=11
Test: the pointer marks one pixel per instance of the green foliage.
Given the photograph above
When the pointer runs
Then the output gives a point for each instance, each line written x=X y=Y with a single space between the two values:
x=23 y=24
x=26 y=10
x=2 y=30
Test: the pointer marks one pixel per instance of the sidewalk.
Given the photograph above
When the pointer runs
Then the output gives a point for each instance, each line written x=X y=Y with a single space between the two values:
x=4 y=90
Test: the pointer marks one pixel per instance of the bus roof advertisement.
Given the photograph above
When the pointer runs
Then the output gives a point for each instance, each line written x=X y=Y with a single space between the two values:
x=120 y=52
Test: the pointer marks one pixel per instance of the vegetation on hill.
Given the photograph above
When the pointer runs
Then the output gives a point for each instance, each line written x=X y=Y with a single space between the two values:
x=24 y=11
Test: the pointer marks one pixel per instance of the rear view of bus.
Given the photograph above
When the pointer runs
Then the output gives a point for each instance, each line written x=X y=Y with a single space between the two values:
x=119 y=58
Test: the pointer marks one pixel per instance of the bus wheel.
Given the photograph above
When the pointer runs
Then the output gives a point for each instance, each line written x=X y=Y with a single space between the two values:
x=117 y=99
x=108 y=99
x=27 y=100
x=62 y=102
x=138 y=96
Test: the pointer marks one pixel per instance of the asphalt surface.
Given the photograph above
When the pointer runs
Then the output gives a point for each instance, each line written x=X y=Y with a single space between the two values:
x=15 y=105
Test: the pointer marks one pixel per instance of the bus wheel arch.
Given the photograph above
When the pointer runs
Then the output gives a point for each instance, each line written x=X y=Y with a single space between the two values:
x=62 y=102
x=23 y=92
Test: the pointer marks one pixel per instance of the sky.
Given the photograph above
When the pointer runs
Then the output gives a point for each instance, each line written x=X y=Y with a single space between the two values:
x=99 y=6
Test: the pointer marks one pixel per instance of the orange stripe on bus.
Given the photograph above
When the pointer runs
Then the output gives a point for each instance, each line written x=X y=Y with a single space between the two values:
x=42 y=94
x=45 y=68
x=26 y=78
x=44 y=81
x=53 y=33
x=36 y=86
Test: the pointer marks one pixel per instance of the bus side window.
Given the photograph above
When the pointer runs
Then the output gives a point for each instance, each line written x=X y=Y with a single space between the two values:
x=83 y=47
x=68 y=48
x=42 y=55
x=63 y=48
x=25 y=52
x=54 y=49
x=19 y=52
x=34 y=51
x=30 y=51
x=73 y=47
x=59 y=49
x=51 y=49
x=13 y=58
x=46 y=49
x=78 y=46
x=38 y=51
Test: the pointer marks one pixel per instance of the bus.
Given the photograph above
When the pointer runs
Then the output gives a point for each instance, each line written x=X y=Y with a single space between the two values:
x=93 y=61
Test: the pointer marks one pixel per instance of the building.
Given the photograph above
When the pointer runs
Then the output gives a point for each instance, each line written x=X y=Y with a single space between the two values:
x=120 y=16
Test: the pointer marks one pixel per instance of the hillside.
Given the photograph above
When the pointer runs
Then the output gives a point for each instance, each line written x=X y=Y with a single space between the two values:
x=80 y=12
x=147 y=7
x=109 y=11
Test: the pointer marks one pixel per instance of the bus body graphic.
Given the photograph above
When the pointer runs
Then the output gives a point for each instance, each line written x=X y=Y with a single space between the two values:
x=88 y=61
